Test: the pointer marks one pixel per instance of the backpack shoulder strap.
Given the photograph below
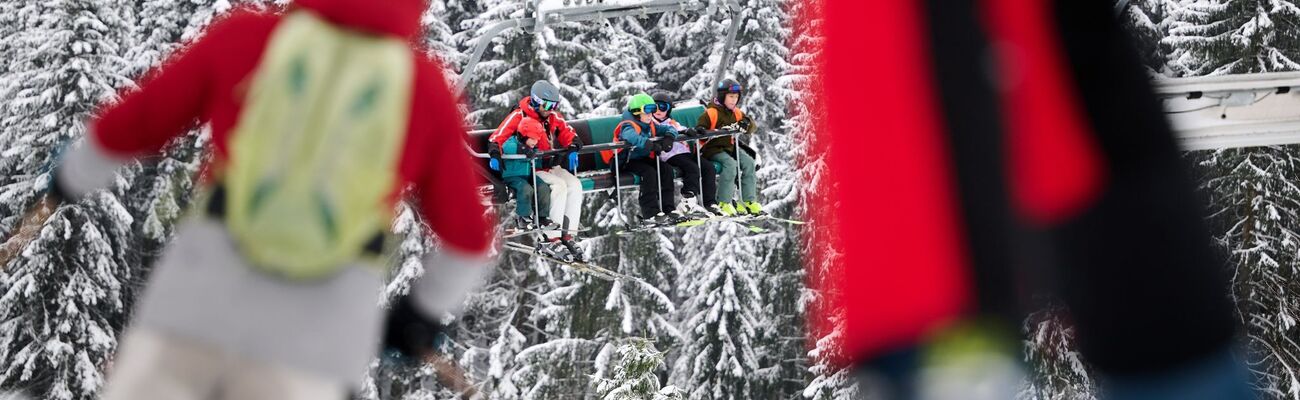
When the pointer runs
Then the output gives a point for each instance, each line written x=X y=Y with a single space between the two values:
x=608 y=155
x=620 y=125
x=713 y=117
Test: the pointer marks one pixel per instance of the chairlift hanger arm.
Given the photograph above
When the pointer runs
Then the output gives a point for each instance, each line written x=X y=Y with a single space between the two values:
x=581 y=14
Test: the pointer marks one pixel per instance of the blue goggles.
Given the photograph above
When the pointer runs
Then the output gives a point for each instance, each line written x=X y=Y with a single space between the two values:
x=651 y=108
x=735 y=88
x=543 y=105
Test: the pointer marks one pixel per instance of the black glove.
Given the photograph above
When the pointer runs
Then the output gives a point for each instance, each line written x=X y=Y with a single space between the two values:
x=494 y=151
x=745 y=124
x=660 y=145
x=575 y=146
x=530 y=152
x=409 y=332
x=692 y=132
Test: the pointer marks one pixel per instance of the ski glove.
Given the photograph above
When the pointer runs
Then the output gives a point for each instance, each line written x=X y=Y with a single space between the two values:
x=410 y=333
x=573 y=162
x=495 y=153
x=530 y=152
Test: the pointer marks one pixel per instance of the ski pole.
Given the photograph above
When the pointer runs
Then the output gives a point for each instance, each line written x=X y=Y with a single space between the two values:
x=537 y=212
x=618 y=183
x=735 y=144
x=699 y=163
x=659 y=177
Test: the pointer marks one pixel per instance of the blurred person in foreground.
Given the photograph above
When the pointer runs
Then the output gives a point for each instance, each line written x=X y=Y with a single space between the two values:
x=1017 y=148
x=320 y=117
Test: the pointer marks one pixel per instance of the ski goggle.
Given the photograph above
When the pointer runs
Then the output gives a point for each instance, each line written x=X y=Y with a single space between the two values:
x=651 y=108
x=733 y=88
x=665 y=107
x=543 y=105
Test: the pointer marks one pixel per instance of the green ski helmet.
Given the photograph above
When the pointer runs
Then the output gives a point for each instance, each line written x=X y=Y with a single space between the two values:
x=641 y=103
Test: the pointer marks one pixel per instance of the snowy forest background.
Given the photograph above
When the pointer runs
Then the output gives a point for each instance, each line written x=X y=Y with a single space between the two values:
x=719 y=311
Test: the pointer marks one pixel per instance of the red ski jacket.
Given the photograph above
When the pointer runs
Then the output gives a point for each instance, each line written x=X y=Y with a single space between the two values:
x=559 y=129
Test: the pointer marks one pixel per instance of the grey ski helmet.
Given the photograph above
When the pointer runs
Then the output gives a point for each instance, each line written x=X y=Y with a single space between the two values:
x=544 y=96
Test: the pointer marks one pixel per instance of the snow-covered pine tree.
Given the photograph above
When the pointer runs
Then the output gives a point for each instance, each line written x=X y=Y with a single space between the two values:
x=721 y=317
x=807 y=117
x=633 y=373
x=691 y=48
x=1255 y=215
x=515 y=59
x=829 y=382
x=162 y=26
x=1147 y=22
x=440 y=40
x=620 y=68
x=14 y=15
x=762 y=65
x=1057 y=370
x=65 y=302
x=1217 y=37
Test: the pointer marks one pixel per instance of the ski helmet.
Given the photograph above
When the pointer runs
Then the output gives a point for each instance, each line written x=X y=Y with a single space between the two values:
x=664 y=101
x=639 y=103
x=544 y=96
x=728 y=86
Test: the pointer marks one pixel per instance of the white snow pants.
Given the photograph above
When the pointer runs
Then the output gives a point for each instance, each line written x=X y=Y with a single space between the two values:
x=566 y=199
x=152 y=365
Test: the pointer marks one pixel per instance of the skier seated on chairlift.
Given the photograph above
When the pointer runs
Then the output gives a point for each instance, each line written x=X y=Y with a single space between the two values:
x=648 y=139
x=565 y=189
x=699 y=180
x=559 y=191
x=725 y=114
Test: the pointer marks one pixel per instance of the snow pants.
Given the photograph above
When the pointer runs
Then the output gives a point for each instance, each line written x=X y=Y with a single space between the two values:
x=694 y=175
x=654 y=198
x=524 y=191
x=566 y=199
x=727 y=177
x=153 y=365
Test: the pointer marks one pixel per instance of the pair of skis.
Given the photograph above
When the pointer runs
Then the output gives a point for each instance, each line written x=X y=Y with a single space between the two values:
x=745 y=220
x=579 y=266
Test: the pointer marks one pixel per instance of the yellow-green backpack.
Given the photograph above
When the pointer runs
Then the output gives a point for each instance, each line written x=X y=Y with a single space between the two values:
x=313 y=158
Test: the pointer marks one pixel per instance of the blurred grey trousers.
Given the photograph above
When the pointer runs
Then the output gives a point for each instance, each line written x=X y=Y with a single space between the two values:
x=153 y=365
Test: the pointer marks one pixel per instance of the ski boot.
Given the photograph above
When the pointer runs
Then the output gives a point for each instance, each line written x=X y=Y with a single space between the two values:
x=726 y=209
x=548 y=224
x=575 y=253
x=523 y=224
x=691 y=207
x=753 y=208
x=553 y=247
x=676 y=217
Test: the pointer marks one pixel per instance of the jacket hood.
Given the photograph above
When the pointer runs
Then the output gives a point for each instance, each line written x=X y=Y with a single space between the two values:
x=399 y=18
